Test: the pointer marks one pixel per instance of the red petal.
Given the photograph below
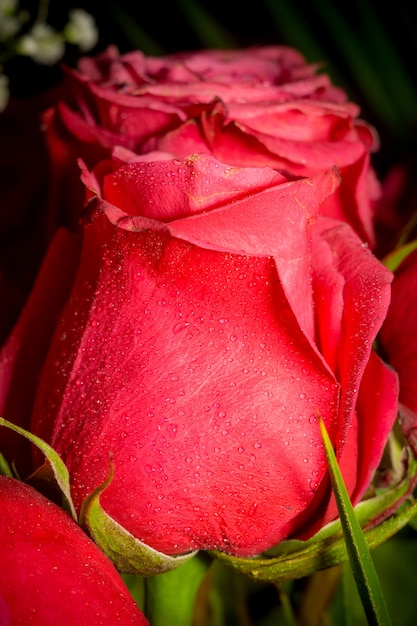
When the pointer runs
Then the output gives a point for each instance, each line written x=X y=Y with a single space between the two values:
x=399 y=334
x=51 y=572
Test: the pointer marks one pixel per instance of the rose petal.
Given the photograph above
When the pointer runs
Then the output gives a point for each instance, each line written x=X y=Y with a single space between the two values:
x=52 y=573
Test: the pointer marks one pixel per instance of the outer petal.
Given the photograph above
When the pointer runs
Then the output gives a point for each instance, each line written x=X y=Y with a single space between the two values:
x=51 y=572
x=356 y=288
x=351 y=295
x=377 y=411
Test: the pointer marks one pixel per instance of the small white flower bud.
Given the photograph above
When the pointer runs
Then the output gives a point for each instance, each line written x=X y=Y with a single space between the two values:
x=81 y=30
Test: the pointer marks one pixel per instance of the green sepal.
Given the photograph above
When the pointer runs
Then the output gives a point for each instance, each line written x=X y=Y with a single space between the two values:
x=293 y=558
x=171 y=598
x=54 y=463
x=129 y=554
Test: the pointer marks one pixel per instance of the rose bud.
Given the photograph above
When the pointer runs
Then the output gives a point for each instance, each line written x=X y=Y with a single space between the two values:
x=261 y=106
x=51 y=572
x=213 y=317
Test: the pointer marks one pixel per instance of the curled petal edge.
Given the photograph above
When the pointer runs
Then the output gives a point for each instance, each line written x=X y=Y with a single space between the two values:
x=129 y=554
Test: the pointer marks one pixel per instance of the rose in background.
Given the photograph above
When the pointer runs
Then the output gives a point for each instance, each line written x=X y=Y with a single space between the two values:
x=396 y=222
x=51 y=571
x=264 y=106
x=212 y=316
x=398 y=339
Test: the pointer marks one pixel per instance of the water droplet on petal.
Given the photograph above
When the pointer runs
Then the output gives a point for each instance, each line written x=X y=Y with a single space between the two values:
x=180 y=326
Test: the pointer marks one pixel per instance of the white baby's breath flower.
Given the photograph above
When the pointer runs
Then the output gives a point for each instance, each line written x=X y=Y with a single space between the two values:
x=4 y=91
x=43 y=44
x=11 y=19
x=7 y=6
x=81 y=30
x=9 y=26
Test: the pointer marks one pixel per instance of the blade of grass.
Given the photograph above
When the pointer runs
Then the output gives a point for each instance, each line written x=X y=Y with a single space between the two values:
x=393 y=260
x=363 y=568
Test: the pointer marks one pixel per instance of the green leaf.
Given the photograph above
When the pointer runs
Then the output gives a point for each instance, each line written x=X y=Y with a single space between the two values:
x=214 y=607
x=129 y=555
x=136 y=586
x=363 y=568
x=54 y=462
x=5 y=467
x=171 y=597
x=395 y=561
x=393 y=260
x=346 y=608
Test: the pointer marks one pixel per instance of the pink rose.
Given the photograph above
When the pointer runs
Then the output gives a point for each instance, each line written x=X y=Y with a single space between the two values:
x=213 y=316
x=264 y=106
x=51 y=572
